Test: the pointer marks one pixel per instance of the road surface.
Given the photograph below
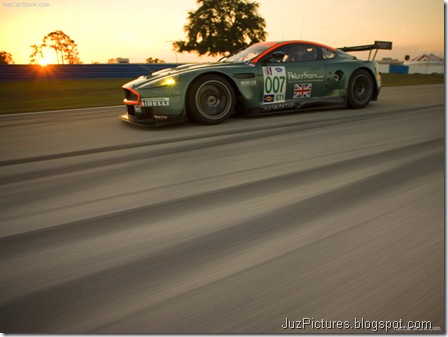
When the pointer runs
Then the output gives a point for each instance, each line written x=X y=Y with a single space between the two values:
x=326 y=221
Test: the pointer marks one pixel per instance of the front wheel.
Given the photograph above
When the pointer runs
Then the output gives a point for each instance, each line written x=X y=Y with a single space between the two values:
x=210 y=100
x=360 y=89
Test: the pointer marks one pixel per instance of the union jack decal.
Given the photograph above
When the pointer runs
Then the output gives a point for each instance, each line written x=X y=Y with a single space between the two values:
x=302 y=90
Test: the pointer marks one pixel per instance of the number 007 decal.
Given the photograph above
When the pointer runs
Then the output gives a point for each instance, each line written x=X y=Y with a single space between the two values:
x=274 y=83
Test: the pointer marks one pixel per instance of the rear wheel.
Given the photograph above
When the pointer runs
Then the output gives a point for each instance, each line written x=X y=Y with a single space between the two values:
x=210 y=100
x=360 y=89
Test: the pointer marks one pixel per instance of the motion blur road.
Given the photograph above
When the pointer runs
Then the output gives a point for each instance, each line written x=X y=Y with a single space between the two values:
x=331 y=215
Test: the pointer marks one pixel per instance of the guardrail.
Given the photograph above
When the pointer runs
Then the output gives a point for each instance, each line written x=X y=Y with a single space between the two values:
x=412 y=68
x=23 y=72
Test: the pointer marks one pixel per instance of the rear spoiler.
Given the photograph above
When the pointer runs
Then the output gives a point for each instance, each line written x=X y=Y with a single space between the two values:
x=376 y=46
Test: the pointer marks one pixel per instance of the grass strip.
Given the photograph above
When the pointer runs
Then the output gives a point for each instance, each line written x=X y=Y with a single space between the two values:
x=54 y=94
x=390 y=80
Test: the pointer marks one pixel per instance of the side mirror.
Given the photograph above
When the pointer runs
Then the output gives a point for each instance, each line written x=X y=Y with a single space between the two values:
x=277 y=56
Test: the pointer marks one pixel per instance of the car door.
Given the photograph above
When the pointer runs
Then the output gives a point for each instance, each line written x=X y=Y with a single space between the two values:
x=291 y=76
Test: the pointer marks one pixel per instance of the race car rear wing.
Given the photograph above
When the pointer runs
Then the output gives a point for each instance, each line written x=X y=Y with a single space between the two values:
x=376 y=46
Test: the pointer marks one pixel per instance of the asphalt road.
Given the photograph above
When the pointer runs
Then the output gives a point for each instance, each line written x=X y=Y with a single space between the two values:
x=332 y=218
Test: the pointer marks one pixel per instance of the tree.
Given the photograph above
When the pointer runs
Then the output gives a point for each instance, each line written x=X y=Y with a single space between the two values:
x=5 y=58
x=65 y=48
x=37 y=51
x=71 y=53
x=221 y=26
x=156 y=60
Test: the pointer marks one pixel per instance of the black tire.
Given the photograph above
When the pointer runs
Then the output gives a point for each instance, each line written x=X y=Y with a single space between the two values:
x=360 y=89
x=210 y=100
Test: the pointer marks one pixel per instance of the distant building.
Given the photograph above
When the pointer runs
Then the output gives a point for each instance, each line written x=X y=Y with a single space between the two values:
x=422 y=64
x=426 y=64
x=118 y=60
x=389 y=60
x=427 y=58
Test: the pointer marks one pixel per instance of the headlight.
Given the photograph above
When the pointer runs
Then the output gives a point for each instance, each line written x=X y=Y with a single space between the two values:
x=169 y=81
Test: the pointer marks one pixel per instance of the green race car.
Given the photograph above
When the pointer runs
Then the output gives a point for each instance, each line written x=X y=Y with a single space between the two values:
x=267 y=77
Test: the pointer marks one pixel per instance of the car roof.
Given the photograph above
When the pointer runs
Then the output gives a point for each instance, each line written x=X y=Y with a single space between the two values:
x=275 y=44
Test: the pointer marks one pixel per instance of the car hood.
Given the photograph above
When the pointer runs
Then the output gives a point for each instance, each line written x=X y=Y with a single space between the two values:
x=179 y=71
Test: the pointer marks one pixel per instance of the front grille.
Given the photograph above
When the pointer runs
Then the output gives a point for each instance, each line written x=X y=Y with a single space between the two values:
x=129 y=95
x=146 y=113
x=131 y=110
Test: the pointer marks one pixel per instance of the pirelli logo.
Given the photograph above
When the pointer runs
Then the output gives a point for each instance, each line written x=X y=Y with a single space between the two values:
x=151 y=102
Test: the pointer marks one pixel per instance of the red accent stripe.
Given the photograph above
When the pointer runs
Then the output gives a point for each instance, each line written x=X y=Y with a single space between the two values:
x=275 y=45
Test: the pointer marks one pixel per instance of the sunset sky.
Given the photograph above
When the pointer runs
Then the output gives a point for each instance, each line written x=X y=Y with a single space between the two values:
x=138 y=29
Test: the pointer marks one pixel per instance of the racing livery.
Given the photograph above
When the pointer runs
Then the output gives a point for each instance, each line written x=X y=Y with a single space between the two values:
x=267 y=77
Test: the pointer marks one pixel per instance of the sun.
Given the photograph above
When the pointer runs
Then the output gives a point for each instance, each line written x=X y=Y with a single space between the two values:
x=42 y=62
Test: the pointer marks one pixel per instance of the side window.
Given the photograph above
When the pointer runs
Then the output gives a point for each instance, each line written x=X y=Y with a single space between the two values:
x=327 y=54
x=298 y=53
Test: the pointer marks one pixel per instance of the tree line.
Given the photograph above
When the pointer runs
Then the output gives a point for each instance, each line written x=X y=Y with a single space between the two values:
x=216 y=27
x=64 y=46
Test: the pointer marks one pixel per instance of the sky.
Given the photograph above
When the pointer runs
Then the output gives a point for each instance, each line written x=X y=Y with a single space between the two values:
x=138 y=29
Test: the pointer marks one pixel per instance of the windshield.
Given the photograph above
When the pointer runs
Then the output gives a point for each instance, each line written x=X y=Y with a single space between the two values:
x=246 y=54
